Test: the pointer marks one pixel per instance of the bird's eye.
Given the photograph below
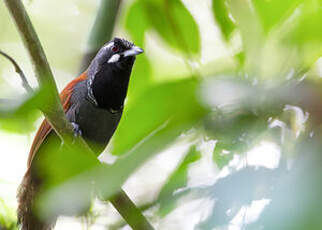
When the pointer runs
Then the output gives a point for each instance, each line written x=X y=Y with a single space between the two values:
x=115 y=49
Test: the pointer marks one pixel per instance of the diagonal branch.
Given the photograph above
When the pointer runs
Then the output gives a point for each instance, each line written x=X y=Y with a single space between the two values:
x=54 y=112
x=25 y=83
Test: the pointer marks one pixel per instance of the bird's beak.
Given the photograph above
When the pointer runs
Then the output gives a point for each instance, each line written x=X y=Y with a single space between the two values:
x=135 y=50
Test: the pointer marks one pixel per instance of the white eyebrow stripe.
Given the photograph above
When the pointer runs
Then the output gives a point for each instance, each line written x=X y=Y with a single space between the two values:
x=109 y=45
x=114 y=58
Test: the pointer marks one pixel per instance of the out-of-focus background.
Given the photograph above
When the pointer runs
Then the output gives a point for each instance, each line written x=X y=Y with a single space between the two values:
x=225 y=106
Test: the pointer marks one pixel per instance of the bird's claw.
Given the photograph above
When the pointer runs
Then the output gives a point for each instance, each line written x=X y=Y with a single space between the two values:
x=76 y=129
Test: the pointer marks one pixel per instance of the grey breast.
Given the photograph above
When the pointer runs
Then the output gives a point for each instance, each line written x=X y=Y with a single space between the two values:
x=97 y=125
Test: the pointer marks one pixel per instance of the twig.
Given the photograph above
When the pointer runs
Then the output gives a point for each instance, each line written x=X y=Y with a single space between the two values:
x=25 y=83
x=53 y=111
x=121 y=223
x=130 y=213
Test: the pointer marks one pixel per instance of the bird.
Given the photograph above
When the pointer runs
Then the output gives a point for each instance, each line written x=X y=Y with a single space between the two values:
x=93 y=104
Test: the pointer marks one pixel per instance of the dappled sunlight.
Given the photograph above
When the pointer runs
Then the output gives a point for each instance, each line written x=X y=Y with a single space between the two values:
x=247 y=214
x=266 y=154
x=186 y=217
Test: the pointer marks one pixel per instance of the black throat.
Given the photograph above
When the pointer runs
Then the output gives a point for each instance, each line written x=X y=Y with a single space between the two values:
x=110 y=87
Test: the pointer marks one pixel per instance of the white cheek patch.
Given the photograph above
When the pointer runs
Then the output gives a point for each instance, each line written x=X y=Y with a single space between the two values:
x=114 y=58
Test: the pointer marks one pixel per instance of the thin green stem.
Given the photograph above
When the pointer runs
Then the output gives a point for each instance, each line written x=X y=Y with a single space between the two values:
x=53 y=111
x=25 y=83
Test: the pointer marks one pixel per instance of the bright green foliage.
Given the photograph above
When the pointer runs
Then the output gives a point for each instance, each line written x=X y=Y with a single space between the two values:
x=136 y=22
x=169 y=18
x=221 y=157
x=154 y=109
x=274 y=12
x=308 y=26
x=19 y=115
x=307 y=34
x=7 y=217
x=222 y=17
x=141 y=78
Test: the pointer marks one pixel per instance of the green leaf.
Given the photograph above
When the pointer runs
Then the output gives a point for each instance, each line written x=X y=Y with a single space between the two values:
x=7 y=217
x=175 y=102
x=235 y=135
x=241 y=57
x=178 y=179
x=174 y=24
x=309 y=28
x=19 y=115
x=141 y=78
x=306 y=35
x=171 y=19
x=220 y=157
x=221 y=14
x=159 y=21
x=136 y=22
x=273 y=12
x=183 y=26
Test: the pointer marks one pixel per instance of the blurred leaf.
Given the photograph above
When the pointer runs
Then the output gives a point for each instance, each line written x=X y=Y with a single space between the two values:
x=148 y=126
x=309 y=26
x=306 y=35
x=160 y=21
x=141 y=78
x=250 y=32
x=136 y=22
x=176 y=101
x=7 y=217
x=59 y=165
x=53 y=153
x=106 y=179
x=170 y=19
x=178 y=179
x=221 y=14
x=114 y=176
x=221 y=157
x=241 y=115
x=235 y=135
x=20 y=115
x=229 y=145
x=183 y=26
x=240 y=57
x=273 y=12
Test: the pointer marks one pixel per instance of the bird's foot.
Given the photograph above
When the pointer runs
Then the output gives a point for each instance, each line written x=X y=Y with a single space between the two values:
x=76 y=129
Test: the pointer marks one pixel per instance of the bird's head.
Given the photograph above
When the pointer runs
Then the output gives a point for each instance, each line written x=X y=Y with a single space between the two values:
x=109 y=72
x=118 y=54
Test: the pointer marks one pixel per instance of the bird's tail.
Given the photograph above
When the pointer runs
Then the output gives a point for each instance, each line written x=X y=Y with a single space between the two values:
x=27 y=193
